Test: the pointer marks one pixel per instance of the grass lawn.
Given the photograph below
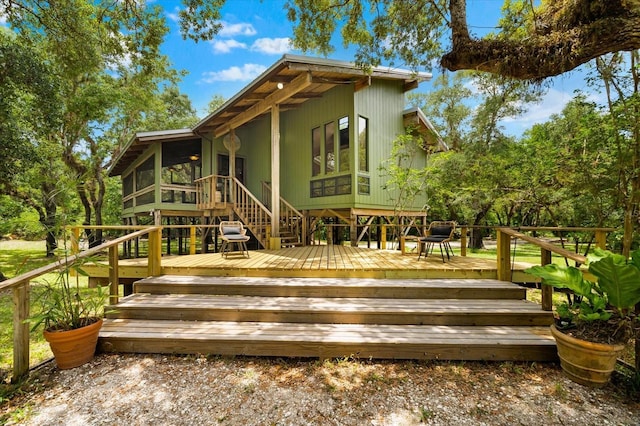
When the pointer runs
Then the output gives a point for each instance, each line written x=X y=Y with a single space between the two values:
x=18 y=257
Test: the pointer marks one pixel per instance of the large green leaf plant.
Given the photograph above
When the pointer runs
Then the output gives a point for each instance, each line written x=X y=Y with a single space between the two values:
x=608 y=294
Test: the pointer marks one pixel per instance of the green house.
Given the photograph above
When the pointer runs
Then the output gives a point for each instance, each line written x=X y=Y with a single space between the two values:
x=303 y=142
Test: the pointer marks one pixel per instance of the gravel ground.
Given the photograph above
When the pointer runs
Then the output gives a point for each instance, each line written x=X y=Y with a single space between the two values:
x=198 y=390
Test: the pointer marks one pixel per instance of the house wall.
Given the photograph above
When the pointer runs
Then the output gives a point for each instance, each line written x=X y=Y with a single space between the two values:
x=382 y=104
x=295 y=147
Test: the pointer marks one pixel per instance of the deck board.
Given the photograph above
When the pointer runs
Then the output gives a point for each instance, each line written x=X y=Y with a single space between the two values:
x=316 y=261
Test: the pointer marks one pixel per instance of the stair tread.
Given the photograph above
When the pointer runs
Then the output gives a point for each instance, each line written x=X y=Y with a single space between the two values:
x=325 y=333
x=179 y=280
x=323 y=304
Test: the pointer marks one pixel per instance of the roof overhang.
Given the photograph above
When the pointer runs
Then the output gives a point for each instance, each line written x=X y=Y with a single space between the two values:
x=292 y=81
x=416 y=118
x=141 y=141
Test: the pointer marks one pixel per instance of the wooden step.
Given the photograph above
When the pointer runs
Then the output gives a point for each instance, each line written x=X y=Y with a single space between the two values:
x=333 y=287
x=331 y=310
x=494 y=343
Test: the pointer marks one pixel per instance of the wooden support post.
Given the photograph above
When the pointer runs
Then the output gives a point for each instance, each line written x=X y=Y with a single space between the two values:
x=601 y=239
x=20 y=330
x=75 y=240
x=403 y=241
x=383 y=237
x=463 y=241
x=155 y=255
x=114 y=275
x=192 y=240
x=305 y=228
x=353 y=230
x=504 y=256
x=547 y=290
x=275 y=170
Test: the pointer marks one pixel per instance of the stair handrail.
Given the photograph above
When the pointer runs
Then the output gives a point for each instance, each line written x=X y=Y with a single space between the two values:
x=245 y=203
x=21 y=285
x=287 y=214
x=283 y=202
x=504 y=236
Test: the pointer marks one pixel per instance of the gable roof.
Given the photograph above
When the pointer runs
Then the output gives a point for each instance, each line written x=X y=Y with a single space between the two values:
x=289 y=82
x=292 y=81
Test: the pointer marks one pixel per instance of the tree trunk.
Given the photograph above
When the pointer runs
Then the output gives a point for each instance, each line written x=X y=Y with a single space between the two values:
x=49 y=220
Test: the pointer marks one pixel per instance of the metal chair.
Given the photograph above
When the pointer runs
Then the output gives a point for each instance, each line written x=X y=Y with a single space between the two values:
x=441 y=233
x=233 y=232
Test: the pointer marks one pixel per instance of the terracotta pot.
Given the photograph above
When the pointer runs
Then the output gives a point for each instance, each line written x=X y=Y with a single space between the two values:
x=73 y=348
x=587 y=363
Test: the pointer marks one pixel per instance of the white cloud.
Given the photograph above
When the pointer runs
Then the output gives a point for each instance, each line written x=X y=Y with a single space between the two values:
x=272 y=46
x=232 y=30
x=553 y=102
x=245 y=73
x=225 y=46
x=173 y=16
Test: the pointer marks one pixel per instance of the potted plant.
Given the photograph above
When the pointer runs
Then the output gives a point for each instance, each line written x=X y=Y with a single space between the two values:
x=72 y=318
x=592 y=330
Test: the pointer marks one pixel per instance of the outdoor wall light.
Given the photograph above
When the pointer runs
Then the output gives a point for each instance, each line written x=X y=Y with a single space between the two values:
x=280 y=86
x=194 y=157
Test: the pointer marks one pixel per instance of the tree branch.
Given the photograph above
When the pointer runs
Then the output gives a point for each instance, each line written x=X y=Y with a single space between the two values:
x=544 y=55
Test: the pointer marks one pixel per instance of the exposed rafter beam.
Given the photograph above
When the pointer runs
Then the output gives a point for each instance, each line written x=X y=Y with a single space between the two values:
x=307 y=95
x=363 y=83
x=298 y=84
x=410 y=85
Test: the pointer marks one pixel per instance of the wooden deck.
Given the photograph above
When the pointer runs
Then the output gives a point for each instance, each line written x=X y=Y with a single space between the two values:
x=317 y=261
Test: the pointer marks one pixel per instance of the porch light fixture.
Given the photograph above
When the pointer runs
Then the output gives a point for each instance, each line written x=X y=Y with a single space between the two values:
x=194 y=157
x=280 y=86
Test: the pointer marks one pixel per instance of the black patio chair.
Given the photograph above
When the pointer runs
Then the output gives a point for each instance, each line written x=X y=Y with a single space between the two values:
x=441 y=233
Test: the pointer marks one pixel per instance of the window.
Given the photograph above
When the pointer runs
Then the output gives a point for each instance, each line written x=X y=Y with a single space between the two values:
x=127 y=185
x=329 y=148
x=145 y=173
x=363 y=144
x=364 y=186
x=181 y=162
x=331 y=155
x=316 y=156
x=339 y=185
x=343 y=129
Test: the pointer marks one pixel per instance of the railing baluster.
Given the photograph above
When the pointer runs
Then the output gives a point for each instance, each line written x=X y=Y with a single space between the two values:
x=114 y=275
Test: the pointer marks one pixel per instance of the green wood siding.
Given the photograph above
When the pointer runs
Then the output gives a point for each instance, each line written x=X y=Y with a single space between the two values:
x=295 y=147
x=382 y=104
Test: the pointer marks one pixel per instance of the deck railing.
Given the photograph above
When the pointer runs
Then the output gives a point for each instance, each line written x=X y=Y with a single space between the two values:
x=504 y=238
x=21 y=287
x=213 y=192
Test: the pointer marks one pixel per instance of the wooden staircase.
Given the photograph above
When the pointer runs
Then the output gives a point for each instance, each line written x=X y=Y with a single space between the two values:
x=453 y=319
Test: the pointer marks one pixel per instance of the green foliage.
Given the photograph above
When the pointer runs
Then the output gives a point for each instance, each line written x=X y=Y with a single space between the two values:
x=216 y=102
x=404 y=171
x=63 y=305
x=615 y=291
